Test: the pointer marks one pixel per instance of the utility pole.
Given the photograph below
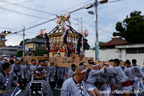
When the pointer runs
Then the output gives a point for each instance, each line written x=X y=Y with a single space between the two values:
x=96 y=25
x=81 y=25
x=96 y=30
x=23 y=41
x=80 y=28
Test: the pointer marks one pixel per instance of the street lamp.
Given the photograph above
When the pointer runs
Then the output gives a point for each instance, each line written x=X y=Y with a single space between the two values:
x=96 y=26
x=91 y=12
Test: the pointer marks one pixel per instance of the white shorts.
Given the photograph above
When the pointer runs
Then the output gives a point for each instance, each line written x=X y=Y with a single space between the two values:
x=90 y=87
x=106 y=92
x=126 y=88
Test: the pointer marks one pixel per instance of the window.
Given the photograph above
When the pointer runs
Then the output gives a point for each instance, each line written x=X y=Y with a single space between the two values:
x=43 y=45
x=1 y=43
x=134 y=50
x=2 y=38
x=37 y=45
x=131 y=51
x=12 y=50
x=140 y=50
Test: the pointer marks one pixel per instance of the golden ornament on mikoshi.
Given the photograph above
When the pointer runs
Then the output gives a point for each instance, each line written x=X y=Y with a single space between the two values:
x=63 y=18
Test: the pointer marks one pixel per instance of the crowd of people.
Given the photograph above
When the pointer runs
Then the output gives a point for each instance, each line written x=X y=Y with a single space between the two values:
x=40 y=77
x=119 y=78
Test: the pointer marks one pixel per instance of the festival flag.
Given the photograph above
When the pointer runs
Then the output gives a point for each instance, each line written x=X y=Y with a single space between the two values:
x=47 y=43
x=16 y=91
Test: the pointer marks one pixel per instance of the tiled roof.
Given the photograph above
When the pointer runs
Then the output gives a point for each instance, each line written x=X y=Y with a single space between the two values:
x=36 y=40
x=11 y=47
x=115 y=41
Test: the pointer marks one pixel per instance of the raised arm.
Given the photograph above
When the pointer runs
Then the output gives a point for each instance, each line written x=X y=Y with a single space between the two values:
x=113 y=70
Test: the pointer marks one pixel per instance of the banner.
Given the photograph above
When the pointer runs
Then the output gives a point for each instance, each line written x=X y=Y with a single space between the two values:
x=16 y=91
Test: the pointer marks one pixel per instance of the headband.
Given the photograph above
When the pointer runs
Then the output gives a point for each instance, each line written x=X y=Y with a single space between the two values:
x=95 y=65
x=80 y=71
x=39 y=72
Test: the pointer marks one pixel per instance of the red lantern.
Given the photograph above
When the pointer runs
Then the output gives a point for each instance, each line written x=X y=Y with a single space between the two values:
x=86 y=33
x=41 y=32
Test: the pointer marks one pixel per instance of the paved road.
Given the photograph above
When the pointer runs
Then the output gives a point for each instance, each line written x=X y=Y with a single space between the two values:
x=57 y=93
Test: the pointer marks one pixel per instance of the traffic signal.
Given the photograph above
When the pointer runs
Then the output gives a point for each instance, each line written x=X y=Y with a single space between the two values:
x=6 y=32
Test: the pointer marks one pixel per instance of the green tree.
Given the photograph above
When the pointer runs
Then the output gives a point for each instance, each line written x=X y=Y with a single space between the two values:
x=39 y=52
x=38 y=36
x=101 y=42
x=86 y=45
x=131 y=28
x=19 y=53
x=21 y=43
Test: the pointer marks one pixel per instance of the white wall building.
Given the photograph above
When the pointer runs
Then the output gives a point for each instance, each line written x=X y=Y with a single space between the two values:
x=10 y=50
x=122 y=52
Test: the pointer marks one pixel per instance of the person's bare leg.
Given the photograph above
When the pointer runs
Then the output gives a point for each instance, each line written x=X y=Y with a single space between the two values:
x=92 y=93
x=97 y=92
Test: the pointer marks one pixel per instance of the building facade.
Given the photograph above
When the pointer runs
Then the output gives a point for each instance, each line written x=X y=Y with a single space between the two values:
x=10 y=50
x=35 y=44
x=122 y=51
x=2 y=40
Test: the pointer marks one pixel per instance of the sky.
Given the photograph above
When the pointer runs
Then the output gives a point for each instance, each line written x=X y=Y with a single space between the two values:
x=15 y=14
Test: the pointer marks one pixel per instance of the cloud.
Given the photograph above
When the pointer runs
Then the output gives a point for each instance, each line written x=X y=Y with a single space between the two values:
x=108 y=15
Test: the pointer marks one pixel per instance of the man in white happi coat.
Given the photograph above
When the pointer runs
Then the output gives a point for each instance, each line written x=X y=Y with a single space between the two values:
x=50 y=75
x=6 y=80
x=24 y=73
x=38 y=87
x=75 y=86
x=71 y=71
x=32 y=68
x=60 y=72
x=17 y=72
x=120 y=77
x=129 y=71
x=139 y=74
x=103 y=83
x=93 y=78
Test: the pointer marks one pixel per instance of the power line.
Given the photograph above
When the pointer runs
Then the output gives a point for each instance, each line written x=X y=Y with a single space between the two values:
x=21 y=13
x=33 y=9
x=50 y=20
x=19 y=35
x=114 y=1
x=8 y=28
x=105 y=35
x=58 y=12
x=17 y=3
x=31 y=22
x=105 y=30
x=83 y=7
x=74 y=6
x=79 y=23
x=53 y=18
x=51 y=15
